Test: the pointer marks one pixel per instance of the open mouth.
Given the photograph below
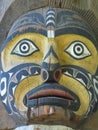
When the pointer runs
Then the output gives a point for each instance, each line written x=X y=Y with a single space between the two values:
x=52 y=94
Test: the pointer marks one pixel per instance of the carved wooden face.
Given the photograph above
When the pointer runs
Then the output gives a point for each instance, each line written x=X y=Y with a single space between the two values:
x=49 y=58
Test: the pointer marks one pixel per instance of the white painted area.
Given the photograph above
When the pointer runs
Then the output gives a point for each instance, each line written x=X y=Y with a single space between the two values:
x=50 y=33
x=43 y=127
x=4 y=5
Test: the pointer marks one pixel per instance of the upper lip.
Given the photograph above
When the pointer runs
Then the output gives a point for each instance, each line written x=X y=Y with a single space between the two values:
x=51 y=92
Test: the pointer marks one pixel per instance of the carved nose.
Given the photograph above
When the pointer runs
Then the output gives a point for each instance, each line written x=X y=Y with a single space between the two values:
x=51 y=70
x=51 y=76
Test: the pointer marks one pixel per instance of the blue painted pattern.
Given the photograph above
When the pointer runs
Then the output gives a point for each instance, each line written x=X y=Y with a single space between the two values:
x=10 y=80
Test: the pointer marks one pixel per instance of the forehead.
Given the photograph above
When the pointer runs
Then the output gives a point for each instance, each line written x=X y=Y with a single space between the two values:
x=50 y=23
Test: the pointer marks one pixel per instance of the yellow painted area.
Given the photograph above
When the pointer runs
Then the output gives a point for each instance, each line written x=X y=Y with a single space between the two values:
x=25 y=86
x=9 y=61
x=51 y=59
x=89 y=63
x=59 y=44
x=79 y=90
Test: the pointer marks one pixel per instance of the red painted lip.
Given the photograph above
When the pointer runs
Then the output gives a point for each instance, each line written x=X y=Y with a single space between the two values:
x=51 y=93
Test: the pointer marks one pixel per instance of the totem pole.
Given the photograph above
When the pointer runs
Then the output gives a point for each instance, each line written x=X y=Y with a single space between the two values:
x=47 y=68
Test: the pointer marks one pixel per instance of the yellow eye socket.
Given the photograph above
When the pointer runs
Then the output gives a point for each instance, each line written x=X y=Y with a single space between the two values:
x=78 y=50
x=24 y=47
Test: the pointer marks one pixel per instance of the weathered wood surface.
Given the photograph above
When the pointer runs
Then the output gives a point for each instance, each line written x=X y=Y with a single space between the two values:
x=4 y=5
x=5 y=120
x=16 y=9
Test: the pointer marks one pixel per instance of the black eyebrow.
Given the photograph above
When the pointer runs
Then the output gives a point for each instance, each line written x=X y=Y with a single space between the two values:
x=29 y=30
x=78 y=31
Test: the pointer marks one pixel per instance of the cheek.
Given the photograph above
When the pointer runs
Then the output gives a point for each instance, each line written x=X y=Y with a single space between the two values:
x=10 y=61
x=6 y=59
x=79 y=90
x=25 y=86
x=89 y=63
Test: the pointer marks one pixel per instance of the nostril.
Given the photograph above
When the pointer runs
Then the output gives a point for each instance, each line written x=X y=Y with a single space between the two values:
x=57 y=74
x=51 y=76
x=44 y=75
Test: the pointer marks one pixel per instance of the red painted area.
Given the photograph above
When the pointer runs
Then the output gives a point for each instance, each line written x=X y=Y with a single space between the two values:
x=52 y=92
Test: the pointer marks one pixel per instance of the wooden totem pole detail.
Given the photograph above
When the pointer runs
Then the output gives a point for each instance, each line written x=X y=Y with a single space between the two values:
x=49 y=64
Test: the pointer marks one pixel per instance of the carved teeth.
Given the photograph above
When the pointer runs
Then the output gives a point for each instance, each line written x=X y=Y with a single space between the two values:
x=48 y=110
x=41 y=110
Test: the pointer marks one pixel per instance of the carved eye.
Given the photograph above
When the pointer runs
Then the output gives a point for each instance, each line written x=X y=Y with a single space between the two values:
x=78 y=50
x=24 y=48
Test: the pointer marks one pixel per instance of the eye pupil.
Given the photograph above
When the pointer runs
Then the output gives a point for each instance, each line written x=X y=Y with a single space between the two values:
x=78 y=49
x=24 y=47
